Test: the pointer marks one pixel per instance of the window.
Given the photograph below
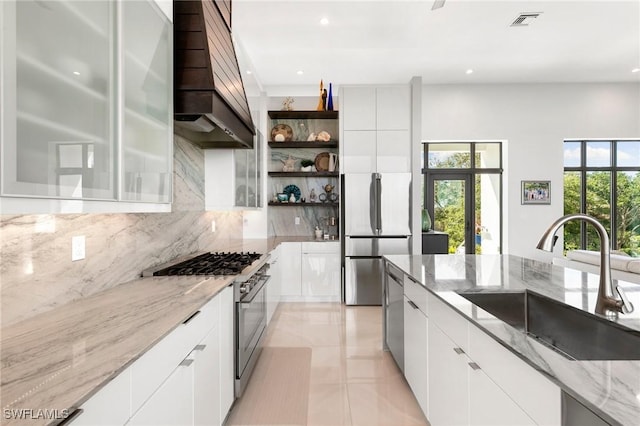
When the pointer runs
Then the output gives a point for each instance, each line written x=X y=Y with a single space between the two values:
x=462 y=190
x=602 y=179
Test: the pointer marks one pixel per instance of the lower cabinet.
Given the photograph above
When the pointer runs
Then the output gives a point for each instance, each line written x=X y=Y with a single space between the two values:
x=321 y=270
x=185 y=379
x=310 y=271
x=415 y=352
x=273 y=286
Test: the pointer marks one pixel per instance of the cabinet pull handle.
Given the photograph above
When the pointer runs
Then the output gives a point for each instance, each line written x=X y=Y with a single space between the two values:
x=474 y=366
x=459 y=351
x=199 y=347
x=185 y=322
x=71 y=417
x=186 y=363
x=413 y=305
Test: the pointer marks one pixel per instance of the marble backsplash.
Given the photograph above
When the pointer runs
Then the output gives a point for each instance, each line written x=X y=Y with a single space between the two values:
x=36 y=270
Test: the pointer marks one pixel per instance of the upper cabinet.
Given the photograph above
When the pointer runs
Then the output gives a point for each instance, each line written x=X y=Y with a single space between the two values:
x=375 y=108
x=86 y=104
x=376 y=135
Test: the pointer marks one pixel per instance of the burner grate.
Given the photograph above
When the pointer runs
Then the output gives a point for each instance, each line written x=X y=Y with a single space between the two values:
x=214 y=263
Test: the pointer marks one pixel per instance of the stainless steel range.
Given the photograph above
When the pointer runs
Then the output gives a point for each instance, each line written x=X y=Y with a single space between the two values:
x=250 y=298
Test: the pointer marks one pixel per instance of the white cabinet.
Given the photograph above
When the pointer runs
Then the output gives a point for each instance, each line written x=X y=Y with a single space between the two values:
x=415 y=352
x=82 y=128
x=320 y=273
x=206 y=380
x=309 y=271
x=448 y=383
x=460 y=392
x=185 y=379
x=110 y=406
x=375 y=108
x=273 y=286
x=227 y=352
x=172 y=403
x=240 y=171
x=376 y=129
x=290 y=269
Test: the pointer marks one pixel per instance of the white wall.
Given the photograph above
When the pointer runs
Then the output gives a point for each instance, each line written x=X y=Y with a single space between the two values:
x=533 y=119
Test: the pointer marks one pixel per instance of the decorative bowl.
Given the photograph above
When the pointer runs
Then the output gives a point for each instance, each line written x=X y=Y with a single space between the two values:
x=283 y=198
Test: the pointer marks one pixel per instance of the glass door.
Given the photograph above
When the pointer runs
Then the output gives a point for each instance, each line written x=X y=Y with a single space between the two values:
x=449 y=202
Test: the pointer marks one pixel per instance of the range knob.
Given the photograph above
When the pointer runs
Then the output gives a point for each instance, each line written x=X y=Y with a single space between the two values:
x=244 y=288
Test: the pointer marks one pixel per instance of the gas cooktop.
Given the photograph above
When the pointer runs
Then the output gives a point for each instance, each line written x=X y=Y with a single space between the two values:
x=211 y=264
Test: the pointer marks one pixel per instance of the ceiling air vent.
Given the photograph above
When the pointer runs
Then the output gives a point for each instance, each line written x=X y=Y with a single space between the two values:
x=524 y=19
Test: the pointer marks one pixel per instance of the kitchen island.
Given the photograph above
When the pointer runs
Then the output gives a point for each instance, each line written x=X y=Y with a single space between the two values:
x=610 y=389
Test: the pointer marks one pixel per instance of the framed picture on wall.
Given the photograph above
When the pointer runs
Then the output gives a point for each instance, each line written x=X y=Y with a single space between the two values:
x=536 y=192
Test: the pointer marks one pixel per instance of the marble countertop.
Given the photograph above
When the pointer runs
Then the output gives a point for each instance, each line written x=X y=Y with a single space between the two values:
x=58 y=359
x=609 y=388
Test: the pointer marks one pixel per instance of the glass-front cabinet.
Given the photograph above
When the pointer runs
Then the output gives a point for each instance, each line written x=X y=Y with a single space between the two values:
x=85 y=100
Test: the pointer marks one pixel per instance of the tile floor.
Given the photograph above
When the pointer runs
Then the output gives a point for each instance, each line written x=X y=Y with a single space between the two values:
x=323 y=364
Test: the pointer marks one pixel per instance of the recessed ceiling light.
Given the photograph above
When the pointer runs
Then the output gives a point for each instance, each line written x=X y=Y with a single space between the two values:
x=249 y=72
x=324 y=21
x=300 y=72
x=76 y=73
x=635 y=70
x=469 y=71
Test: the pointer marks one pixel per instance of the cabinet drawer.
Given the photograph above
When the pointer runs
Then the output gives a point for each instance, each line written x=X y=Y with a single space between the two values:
x=416 y=293
x=148 y=372
x=449 y=321
x=318 y=247
x=535 y=394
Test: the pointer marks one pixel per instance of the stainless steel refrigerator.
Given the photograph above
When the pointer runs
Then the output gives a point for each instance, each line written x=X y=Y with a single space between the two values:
x=376 y=221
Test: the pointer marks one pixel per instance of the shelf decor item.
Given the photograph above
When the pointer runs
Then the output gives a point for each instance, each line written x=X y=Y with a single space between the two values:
x=320 y=106
x=289 y=165
x=293 y=192
x=306 y=165
x=330 y=99
x=281 y=133
x=322 y=162
x=287 y=104
x=426 y=220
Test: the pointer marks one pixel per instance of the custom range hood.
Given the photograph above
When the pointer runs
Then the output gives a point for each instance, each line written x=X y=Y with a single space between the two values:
x=210 y=103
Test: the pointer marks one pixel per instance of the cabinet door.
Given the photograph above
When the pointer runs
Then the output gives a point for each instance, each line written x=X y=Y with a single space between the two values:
x=448 y=381
x=489 y=405
x=273 y=287
x=241 y=178
x=321 y=274
x=172 y=403
x=110 y=406
x=393 y=108
x=359 y=151
x=206 y=380
x=291 y=272
x=227 y=372
x=58 y=107
x=393 y=151
x=358 y=108
x=415 y=353
x=147 y=139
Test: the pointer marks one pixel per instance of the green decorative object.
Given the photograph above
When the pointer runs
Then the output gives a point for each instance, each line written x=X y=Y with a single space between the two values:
x=426 y=220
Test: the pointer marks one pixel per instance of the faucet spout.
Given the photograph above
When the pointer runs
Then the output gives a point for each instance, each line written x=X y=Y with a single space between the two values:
x=606 y=302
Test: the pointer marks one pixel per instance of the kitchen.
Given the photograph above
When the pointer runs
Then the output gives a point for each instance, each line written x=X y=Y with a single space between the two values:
x=37 y=275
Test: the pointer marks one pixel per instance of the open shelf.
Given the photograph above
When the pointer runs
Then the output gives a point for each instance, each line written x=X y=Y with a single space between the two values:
x=304 y=174
x=302 y=115
x=327 y=204
x=304 y=144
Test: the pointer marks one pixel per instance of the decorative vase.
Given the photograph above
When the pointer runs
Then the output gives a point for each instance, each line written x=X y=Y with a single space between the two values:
x=330 y=99
x=322 y=98
x=426 y=220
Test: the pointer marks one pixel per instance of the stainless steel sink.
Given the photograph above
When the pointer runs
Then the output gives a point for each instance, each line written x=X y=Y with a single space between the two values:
x=574 y=333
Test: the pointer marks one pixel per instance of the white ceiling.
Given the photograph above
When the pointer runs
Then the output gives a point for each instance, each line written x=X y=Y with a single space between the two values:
x=390 y=41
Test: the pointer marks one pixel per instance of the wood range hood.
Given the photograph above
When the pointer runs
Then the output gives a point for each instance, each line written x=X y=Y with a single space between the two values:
x=210 y=103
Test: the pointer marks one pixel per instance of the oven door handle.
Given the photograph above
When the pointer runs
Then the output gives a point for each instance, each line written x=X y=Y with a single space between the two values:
x=255 y=290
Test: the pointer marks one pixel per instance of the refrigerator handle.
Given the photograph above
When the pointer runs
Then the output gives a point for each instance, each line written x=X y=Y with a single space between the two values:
x=373 y=197
x=378 y=178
